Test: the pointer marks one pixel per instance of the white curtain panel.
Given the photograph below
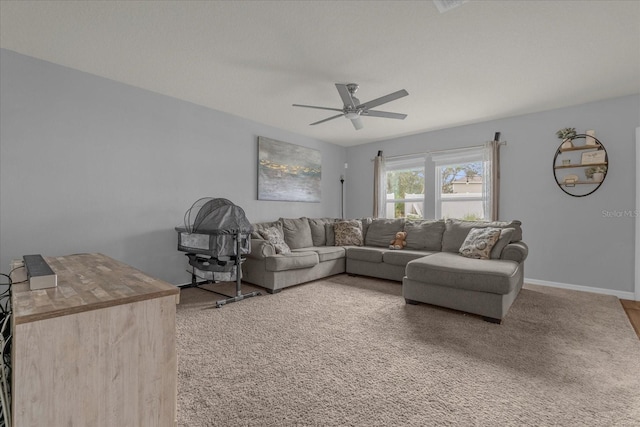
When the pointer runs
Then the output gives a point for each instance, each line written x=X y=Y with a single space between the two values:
x=487 y=181
x=379 y=187
x=491 y=179
x=496 y=179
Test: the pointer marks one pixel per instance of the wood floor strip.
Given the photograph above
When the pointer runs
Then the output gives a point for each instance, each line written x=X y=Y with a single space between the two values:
x=632 y=308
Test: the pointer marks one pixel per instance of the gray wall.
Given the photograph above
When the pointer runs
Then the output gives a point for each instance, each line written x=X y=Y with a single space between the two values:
x=91 y=165
x=572 y=241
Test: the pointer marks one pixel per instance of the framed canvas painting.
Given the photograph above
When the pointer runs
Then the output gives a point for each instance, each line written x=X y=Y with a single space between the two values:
x=288 y=172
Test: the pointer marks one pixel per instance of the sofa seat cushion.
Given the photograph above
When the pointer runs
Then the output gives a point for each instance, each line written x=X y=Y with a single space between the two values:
x=365 y=253
x=325 y=253
x=402 y=257
x=453 y=270
x=291 y=261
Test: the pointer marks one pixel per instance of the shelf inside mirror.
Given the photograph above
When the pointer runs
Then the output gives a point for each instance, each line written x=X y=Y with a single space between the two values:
x=581 y=147
x=588 y=165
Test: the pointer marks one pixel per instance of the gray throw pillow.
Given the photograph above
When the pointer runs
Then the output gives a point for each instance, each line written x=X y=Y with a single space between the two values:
x=297 y=232
x=424 y=235
x=503 y=241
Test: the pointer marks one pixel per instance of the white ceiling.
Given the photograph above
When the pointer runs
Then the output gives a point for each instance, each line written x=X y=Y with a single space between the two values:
x=480 y=61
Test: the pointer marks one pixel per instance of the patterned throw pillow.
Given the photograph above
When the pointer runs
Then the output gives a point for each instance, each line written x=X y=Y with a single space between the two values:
x=348 y=233
x=479 y=242
x=276 y=238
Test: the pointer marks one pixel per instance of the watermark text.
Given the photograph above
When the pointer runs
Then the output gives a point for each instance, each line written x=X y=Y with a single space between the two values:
x=621 y=214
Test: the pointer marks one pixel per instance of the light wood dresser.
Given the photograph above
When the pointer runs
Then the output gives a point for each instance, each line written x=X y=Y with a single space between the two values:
x=98 y=350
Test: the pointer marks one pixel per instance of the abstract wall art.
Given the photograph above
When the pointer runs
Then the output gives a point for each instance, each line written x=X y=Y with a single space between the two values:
x=288 y=172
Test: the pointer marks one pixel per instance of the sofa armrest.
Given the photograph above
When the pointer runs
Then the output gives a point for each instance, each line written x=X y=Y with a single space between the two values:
x=260 y=249
x=516 y=251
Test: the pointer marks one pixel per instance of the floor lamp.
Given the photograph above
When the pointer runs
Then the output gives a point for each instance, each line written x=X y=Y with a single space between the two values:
x=342 y=196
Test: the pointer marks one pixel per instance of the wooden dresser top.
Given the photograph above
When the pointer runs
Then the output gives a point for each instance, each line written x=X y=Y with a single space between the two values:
x=87 y=282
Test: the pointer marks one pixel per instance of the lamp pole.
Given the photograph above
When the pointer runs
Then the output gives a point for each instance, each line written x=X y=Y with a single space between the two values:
x=342 y=196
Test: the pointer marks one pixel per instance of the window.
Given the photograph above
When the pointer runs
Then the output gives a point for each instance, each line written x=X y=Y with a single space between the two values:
x=405 y=188
x=461 y=185
x=461 y=189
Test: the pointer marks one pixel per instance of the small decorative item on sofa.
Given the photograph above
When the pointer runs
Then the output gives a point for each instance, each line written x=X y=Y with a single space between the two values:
x=400 y=241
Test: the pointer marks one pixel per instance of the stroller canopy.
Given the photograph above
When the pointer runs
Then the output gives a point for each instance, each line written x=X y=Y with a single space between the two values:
x=216 y=216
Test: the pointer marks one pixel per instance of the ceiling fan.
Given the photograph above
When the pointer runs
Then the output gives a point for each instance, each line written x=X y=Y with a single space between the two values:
x=354 y=110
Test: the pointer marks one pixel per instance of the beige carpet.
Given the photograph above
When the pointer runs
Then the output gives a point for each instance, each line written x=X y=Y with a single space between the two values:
x=347 y=351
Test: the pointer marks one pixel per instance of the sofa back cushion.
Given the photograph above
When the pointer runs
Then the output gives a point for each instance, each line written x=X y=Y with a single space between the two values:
x=456 y=231
x=297 y=232
x=382 y=231
x=424 y=235
x=330 y=233
x=366 y=222
x=318 y=230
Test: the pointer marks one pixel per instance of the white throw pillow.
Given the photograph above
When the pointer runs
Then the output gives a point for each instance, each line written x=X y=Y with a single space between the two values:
x=348 y=233
x=479 y=242
x=276 y=238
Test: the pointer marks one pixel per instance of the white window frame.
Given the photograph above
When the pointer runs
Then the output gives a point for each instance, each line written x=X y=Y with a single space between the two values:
x=432 y=163
x=457 y=157
x=418 y=161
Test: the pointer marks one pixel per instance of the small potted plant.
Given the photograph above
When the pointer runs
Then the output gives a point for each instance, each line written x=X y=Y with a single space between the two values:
x=566 y=135
x=595 y=173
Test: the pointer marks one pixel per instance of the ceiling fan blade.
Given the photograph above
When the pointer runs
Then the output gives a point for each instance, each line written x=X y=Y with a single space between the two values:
x=385 y=114
x=345 y=95
x=383 y=99
x=318 y=108
x=357 y=123
x=326 y=120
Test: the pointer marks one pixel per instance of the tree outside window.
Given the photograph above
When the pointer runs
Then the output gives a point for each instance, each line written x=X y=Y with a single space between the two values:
x=405 y=192
x=461 y=191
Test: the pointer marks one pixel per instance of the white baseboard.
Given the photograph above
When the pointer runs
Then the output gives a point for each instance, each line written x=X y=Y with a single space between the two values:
x=619 y=294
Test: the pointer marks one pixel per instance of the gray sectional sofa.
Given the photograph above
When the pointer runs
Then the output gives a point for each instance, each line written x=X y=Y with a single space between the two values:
x=430 y=267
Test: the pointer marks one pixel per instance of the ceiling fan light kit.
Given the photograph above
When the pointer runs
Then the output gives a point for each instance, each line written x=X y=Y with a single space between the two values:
x=353 y=110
